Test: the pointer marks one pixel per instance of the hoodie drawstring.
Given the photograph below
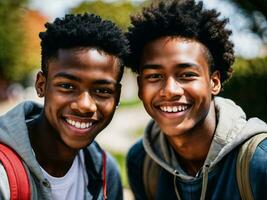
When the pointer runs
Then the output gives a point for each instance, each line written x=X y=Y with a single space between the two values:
x=175 y=187
x=204 y=183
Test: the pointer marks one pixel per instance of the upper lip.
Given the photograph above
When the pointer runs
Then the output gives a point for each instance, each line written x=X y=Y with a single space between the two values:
x=80 y=119
x=174 y=103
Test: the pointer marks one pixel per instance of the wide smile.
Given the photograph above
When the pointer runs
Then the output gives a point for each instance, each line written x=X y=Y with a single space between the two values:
x=78 y=124
x=174 y=109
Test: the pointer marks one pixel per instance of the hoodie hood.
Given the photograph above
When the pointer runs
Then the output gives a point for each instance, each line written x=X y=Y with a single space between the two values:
x=14 y=132
x=232 y=129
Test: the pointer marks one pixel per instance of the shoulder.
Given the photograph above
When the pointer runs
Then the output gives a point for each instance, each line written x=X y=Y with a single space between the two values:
x=258 y=171
x=94 y=165
x=114 y=185
x=135 y=163
x=263 y=145
x=135 y=159
x=137 y=151
x=96 y=153
x=135 y=156
x=259 y=159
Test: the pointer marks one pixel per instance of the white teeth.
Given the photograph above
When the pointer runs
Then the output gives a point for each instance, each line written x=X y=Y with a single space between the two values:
x=77 y=125
x=83 y=125
x=80 y=125
x=173 y=108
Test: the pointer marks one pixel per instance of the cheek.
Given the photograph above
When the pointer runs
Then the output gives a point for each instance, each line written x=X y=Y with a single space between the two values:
x=147 y=92
x=199 y=90
x=107 y=107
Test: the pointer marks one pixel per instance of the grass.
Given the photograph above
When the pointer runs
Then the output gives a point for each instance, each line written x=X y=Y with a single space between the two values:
x=130 y=103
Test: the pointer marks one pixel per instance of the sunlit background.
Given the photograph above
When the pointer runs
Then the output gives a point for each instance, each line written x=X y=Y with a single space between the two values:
x=22 y=20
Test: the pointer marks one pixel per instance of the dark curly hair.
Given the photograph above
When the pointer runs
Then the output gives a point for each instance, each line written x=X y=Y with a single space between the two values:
x=82 y=30
x=186 y=19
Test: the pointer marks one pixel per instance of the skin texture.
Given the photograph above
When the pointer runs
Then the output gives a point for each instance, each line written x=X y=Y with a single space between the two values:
x=81 y=93
x=175 y=75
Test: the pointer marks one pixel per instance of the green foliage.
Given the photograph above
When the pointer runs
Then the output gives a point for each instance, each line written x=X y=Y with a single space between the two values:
x=247 y=87
x=118 y=11
x=130 y=103
x=11 y=34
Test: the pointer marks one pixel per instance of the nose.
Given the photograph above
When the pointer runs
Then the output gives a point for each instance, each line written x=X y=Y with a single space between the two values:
x=171 y=88
x=84 y=103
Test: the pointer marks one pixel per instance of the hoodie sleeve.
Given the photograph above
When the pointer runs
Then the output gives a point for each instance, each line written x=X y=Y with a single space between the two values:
x=135 y=161
x=258 y=171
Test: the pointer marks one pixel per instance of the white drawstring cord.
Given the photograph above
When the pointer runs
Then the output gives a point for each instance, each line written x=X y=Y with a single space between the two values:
x=204 y=182
x=175 y=187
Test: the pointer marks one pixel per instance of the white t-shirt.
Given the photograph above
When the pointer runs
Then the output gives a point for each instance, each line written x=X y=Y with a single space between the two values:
x=71 y=186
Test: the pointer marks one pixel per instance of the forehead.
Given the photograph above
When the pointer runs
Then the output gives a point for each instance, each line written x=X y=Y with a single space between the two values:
x=173 y=50
x=84 y=62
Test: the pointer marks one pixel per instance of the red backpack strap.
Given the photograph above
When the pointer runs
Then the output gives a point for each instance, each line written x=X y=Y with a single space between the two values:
x=17 y=176
x=104 y=174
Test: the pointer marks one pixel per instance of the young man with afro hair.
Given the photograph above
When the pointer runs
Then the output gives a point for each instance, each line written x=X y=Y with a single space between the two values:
x=82 y=66
x=182 y=55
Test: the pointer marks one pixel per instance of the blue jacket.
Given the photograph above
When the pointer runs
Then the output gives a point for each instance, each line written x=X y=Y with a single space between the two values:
x=13 y=132
x=219 y=169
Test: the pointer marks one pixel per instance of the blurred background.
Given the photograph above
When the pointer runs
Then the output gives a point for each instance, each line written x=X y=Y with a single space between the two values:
x=22 y=20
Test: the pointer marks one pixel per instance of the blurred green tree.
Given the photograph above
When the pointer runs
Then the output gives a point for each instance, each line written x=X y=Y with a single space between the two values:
x=247 y=86
x=11 y=33
x=118 y=11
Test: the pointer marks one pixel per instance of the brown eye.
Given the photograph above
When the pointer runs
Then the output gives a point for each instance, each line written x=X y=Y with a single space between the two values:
x=66 y=86
x=188 y=75
x=154 y=76
x=103 y=92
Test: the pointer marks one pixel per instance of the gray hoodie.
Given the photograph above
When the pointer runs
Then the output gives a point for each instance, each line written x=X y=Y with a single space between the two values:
x=232 y=130
x=14 y=133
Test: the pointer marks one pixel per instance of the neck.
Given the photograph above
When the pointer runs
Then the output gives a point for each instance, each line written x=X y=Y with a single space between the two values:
x=192 y=147
x=50 y=151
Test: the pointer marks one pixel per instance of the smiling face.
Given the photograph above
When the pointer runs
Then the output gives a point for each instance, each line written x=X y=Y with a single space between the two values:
x=175 y=84
x=81 y=92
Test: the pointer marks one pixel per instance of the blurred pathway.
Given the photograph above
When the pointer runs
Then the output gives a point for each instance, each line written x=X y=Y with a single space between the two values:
x=122 y=131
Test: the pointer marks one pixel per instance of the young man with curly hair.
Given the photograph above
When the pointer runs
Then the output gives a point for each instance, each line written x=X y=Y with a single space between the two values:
x=82 y=66
x=182 y=55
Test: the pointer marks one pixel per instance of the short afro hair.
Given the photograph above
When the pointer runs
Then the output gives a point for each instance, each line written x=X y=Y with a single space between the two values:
x=183 y=18
x=82 y=30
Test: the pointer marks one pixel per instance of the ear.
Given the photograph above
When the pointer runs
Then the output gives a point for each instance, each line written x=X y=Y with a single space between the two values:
x=215 y=80
x=139 y=87
x=40 y=84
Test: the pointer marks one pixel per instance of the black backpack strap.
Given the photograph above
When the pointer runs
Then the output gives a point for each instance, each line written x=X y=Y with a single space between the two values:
x=94 y=176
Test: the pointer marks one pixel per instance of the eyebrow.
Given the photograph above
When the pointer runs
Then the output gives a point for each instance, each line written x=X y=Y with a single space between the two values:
x=75 y=78
x=157 y=66
x=66 y=75
x=104 y=82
